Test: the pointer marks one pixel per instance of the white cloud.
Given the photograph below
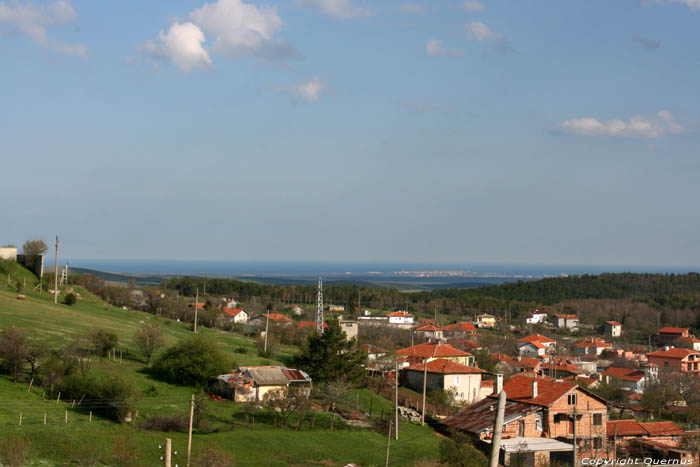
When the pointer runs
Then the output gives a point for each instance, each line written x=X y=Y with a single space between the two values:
x=32 y=21
x=470 y=6
x=243 y=29
x=343 y=9
x=182 y=45
x=694 y=4
x=434 y=48
x=478 y=31
x=310 y=91
x=638 y=126
x=411 y=8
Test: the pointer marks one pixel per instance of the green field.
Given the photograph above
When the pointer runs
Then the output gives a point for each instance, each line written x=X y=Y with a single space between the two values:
x=57 y=442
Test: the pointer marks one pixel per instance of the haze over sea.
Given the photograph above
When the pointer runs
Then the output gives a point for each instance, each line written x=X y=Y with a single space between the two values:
x=313 y=268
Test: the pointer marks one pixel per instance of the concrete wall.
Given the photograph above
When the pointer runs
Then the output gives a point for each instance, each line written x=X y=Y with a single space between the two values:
x=350 y=328
x=8 y=253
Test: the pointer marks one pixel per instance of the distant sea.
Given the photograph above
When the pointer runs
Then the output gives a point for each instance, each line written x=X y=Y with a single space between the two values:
x=349 y=268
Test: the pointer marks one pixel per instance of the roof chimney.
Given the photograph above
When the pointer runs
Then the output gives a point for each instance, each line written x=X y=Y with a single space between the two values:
x=666 y=348
x=497 y=384
x=534 y=389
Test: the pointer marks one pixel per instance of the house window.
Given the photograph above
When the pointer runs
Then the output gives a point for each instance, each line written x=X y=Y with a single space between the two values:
x=572 y=399
x=538 y=421
x=598 y=443
x=456 y=380
x=557 y=418
x=597 y=419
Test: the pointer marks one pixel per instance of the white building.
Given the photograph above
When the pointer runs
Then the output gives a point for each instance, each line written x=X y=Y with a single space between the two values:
x=537 y=317
x=464 y=381
x=235 y=315
x=400 y=317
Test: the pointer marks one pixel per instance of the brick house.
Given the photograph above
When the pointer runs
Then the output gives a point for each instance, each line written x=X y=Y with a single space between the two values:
x=676 y=359
x=669 y=334
x=445 y=375
x=428 y=331
x=624 y=431
x=541 y=408
x=688 y=343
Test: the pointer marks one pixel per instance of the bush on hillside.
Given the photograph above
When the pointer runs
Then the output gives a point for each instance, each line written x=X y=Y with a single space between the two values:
x=191 y=362
x=14 y=451
x=102 y=341
x=113 y=396
x=459 y=451
x=209 y=456
x=70 y=299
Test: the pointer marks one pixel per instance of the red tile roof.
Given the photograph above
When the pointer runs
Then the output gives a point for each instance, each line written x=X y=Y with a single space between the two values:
x=309 y=324
x=501 y=357
x=538 y=338
x=530 y=363
x=672 y=330
x=427 y=328
x=635 y=428
x=279 y=317
x=594 y=342
x=446 y=367
x=464 y=344
x=480 y=417
x=461 y=327
x=566 y=316
x=519 y=388
x=624 y=374
x=537 y=344
x=689 y=340
x=674 y=352
x=405 y=314
x=613 y=323
x=232 y=312
x=431 y=349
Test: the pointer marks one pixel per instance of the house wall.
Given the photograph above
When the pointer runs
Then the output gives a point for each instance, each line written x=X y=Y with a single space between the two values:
x=676 y=364
x=467 y=387
x=414 y=380
x=613 y=331
x=350 y=328
x=529 y=351
x=8 y=253
x=262 y=390
x=586 y=407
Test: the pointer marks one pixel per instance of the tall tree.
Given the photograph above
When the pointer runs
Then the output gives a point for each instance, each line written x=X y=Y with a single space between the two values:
x=13 y=350
x=330 y=356
x=34 y=247
x=149 y=339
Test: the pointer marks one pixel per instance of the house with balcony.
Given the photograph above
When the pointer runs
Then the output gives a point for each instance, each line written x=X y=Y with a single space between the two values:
x=676 y=359
x=542 y=415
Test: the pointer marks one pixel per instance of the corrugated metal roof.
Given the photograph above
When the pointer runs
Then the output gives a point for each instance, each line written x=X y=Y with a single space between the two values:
x=481 y=416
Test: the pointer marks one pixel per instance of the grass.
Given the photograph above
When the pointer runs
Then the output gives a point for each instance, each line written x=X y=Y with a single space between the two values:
x=227 y=428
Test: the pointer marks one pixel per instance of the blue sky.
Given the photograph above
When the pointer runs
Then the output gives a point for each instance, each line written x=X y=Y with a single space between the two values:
x=493 y=131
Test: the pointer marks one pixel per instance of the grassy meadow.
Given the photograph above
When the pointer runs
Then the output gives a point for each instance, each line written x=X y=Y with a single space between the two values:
x=228 y=426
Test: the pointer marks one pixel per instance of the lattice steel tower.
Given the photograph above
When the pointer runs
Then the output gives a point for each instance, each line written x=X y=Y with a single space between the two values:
x=319 y=307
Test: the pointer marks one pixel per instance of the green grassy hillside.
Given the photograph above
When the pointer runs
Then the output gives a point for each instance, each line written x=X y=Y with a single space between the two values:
x=227 y=429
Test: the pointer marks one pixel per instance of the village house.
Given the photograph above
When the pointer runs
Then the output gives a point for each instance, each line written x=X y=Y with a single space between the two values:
x=536 y=317
x=613 y=329
x=592 y=346
x=558 y=368
x=459 y=330
x=428 y=331
x=667 y=335
x=543 y=415
x=251 y=383
x=275 y=318
x=624 y=431
x=297 y=310
x=464 y=381
x=631 y=379
x=373 y=352
x=485 y=321
x=235 y=315
x=528 y=366
x=230 y=302
x=336 y=308
x=535 y=345
x=309 y=325
x=349 y=327
x=432 y=350
x=676 y=359
x=688 y=343
x=562 y=321
x=400 y=317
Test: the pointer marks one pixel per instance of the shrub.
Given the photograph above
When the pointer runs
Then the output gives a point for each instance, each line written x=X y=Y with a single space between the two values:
x=167 y=423
x=242 y=350
x=14 y=451
x=112 y=396
x=191 y=362
x=103 y=342
x=125 y=451
x=70 y=299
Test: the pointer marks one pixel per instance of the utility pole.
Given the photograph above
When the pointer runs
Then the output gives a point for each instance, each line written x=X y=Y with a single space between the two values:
x=189 y=436
x=615 y=443
x=396 y=399
x=388 y=444
x=575 y=440
x=267 y=325
x=497 y=429
x=319 y=307
x=55 y=276
x=425 y=380
x=168 y=451
x=196 y=307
